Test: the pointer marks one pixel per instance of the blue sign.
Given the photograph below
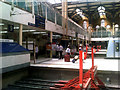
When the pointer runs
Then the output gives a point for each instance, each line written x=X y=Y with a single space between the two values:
x=9 y=47
x=39 y=22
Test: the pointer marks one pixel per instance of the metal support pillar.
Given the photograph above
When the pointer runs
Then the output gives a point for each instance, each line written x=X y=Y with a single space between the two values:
x=72 y=40
x=34 y=55
x=113 y=32
x=64 y=17
x=20 y=34
x=83 y=42
x=26 y=43
x=32 y=8
x=55 y=19
x=78 y=43
x=92 y=58
x=46 y=14
x=80 y=69
x=51 y=34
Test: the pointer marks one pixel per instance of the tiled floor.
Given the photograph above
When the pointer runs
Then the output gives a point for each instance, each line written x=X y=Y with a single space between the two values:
x=103 y=64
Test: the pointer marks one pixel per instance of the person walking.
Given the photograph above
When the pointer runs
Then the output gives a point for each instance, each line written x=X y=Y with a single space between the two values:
x=80 y=47
x=57 y=51
x=68 y=50
x=67 y=56
x=36 y=51
x=61 y=50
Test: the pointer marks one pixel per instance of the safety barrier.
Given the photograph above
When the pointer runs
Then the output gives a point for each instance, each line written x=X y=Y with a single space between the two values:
x=85 y=80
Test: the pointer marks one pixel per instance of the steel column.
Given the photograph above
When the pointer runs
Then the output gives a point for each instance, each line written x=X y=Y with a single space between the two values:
x=80 y=69
x=92 y=58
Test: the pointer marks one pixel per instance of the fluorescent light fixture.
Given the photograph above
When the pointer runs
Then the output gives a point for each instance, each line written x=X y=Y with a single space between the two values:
x=74 y=39
x=28 y=30
x=36 y=32
x=3 y=31
x=32 y=30
x=42 y=32
x=6 y=40
x=1 y=24
x=56 y=35
x=39 y=32
x=25 y=31
x=16 y=27
x=5 y=28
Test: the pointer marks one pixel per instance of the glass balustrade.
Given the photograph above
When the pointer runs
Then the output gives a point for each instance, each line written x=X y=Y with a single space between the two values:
x=40 y=10
x=101 y=34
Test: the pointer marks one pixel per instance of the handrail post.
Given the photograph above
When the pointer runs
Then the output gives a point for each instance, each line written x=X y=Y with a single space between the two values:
x=80 y=68
x=92 y=58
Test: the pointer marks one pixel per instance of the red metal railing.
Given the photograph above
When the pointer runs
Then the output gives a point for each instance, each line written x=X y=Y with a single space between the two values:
x=84 y=80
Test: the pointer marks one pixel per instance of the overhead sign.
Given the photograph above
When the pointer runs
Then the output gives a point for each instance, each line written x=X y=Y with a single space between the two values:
x=39 y=22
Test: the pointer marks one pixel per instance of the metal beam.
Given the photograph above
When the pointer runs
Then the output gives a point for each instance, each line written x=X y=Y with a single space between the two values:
x=71 y=3
x=58 y=5
x=89 y=16
x=90 y=6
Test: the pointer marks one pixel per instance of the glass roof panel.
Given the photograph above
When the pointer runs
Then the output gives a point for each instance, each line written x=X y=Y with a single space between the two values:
x=54 y=1
x=59 y=1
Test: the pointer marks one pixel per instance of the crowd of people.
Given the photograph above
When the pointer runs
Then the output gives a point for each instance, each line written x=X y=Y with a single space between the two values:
x=59 y=51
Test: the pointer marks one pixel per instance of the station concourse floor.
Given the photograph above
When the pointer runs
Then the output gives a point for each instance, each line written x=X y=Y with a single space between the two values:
x=102 y=64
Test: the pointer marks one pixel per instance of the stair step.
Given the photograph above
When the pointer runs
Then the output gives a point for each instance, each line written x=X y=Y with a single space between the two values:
x=27 y=87
x=40 y=80
x=35 y=83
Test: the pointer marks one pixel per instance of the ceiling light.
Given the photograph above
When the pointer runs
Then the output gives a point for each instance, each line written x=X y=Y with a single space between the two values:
x=77 y=10
x=16 y=27
x=32 y=30
x=108 y=26
x=42 y=32
x=1 y=24
x=97 y=27
x=5 y=28
x=25 y=31
x=28 y=30
x=101 y=9
x=3 y=31
x=36 y=32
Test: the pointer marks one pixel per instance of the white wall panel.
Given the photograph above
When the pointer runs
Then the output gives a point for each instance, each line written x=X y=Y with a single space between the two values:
x=13 y=60
x=20 y=16
x=57 y=28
